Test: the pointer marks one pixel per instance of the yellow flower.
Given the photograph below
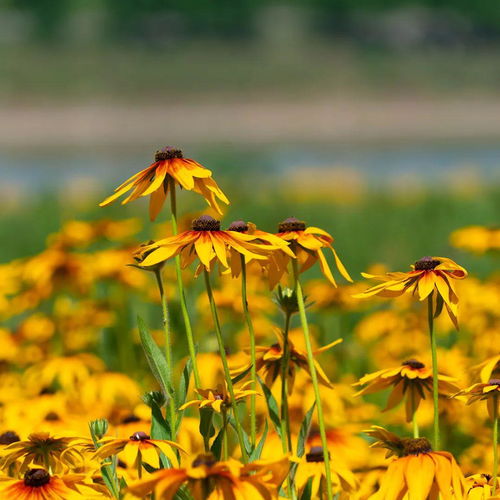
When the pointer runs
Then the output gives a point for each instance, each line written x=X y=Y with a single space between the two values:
x=139 y=447
x=169 y=168
x=207 y=479
x=418 y=471
x=412 y=380
x=428 y=274
x=218 y=398
x=307 y=244
x=268 y=362
x=38 y=484
x=41 y=448
x=207 y=242
x=477 y=239
x=489 y=368
x=489 y=391
x=312 y=467
x=479 y=487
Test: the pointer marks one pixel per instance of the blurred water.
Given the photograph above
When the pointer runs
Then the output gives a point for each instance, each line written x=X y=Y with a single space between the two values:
x=431 y=163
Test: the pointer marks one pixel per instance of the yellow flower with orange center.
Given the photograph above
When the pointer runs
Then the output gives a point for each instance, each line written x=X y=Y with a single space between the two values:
x=207 y=479
x=411 y=381
x=207 y=242
x=428 y=274
x=170 y=168
x=417 y=471
x=307 y=243
x=219 y=398
x=138 y=448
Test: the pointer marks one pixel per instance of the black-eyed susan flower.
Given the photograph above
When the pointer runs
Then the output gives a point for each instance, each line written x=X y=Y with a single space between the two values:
x=170 y=168
x=412 y=382
x=206 y=479
x=219 y=399
x=207 y=242
x=479 y=486
x=417 y=471
x=38 y=484
x=307 y=243
x=54 y=453
x=488 y=391
x=138 y=448
x=312 y=468
x=427 y=274
x=269 y=362
x=477 y=239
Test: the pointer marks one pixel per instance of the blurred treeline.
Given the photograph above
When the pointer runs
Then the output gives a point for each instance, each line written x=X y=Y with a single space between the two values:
x=387 y=22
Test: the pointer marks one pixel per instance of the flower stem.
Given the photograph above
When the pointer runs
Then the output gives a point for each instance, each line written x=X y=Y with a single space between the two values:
x=285 y=414
x=495 y=444
x=225 y=365
x=182 y=295
x=314 y=377
x=168 y=346
x=225 y=447
x=251 y=331
x=435 y=374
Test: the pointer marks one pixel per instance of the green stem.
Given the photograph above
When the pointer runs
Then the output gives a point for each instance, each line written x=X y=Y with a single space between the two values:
x=414 y=421
x=225 y=446
x=253 y=369
x=168 y=345
x=182 y=295
x=495 y=445
x=435 y=373
x=285 y=413
x=314 y=377
x=225 y=365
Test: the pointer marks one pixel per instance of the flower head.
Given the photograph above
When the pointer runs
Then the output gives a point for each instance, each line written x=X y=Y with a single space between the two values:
x=208 y=479
x=427 y=274
x=139 y=447
x=418 y=471
x=488 y=391
x=207 y=242
x=307 y=243
x=219 y=398
x=411 y=381
x=169 y=168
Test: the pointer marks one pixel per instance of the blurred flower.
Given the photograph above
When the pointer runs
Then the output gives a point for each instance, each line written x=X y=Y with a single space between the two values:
x=488 y=391
x=412 y=380
x=479 y=487
x=307 y=244
x=477 y=239
x=169 y=167
x=428 y=273
x=489 y=368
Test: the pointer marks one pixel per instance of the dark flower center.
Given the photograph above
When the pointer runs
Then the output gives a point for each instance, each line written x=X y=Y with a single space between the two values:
x=139 y=436
x=36 y=477
x=416 y=446
x=206 y=459
x=291 y=224
x=205 y=223
x=130 y=419
x=167 y=153
x=488 y=477
x=219 y=397
x=413 y=363
x=9 y=437
x=426 y=264
x=315 y=454
x=52 y=416
x=494 y=381
x=238 y=225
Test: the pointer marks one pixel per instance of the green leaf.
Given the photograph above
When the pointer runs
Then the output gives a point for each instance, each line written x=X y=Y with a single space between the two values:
x=257 y=452
x=156 y=359
x=246 y=438
x=307 y=491
x=216 y=447
x=272 y=407
x=160 y=427
x=184 y=383
x=304 y=431
x=241 y=376
x=206 y=425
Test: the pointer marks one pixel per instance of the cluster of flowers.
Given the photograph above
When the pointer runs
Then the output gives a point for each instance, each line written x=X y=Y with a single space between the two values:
x=265 y=420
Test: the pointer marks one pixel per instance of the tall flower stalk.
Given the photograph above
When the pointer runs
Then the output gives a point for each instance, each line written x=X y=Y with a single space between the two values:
x=251 y=332
x=435 y=374
x=314 y=378
x=495 y=444
x=227 y=374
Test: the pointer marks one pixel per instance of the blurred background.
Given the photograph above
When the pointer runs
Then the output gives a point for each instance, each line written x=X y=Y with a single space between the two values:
x=377 y=119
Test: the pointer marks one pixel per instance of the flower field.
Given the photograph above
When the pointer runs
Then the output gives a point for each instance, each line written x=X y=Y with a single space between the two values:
x=241 y=337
